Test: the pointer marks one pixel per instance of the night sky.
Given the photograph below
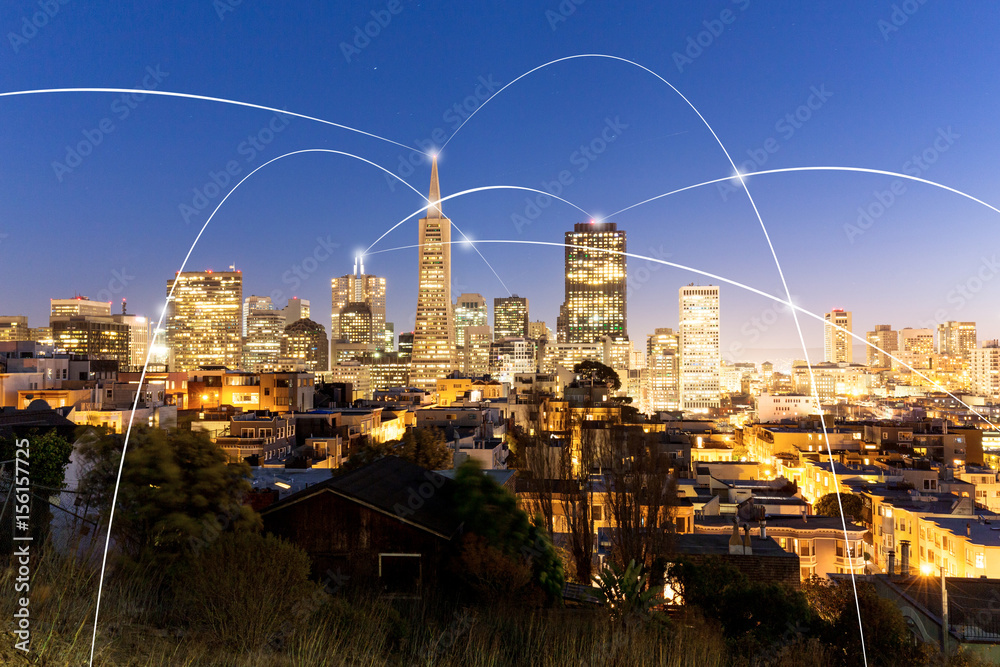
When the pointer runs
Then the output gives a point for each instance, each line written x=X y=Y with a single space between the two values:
x=898 y=86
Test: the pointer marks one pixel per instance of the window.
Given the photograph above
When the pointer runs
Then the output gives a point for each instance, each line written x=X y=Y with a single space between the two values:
x=980 y=560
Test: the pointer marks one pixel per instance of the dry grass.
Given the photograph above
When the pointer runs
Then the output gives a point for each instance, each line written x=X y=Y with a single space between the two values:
x=340 y=631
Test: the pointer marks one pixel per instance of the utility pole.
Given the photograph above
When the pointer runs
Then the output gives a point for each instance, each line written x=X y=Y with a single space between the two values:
x=944 y=613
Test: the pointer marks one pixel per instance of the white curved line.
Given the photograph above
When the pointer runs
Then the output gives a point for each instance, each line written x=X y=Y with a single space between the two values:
x=785 y=170
x=470 y=191
x=734 y=283
x=167 y=93
x=159 y=324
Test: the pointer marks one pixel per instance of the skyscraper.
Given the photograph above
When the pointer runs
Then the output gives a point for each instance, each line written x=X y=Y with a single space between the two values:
x=699 y=342
x=306 y=341
x=886 y=339
x=254 y=302
x=957 y=339
x=297 y=309
x=79 y=305
x=595 y=284
x=434 y=354
x=470 y=311
x=204 y=319
x=837 y=344
x=357 y=295
x=663 y=370
x=510 y=317
x=262 y=343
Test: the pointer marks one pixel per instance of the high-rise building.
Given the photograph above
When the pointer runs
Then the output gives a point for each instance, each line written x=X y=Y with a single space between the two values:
x=538 y=330
x=838 y=345
x=984 y=370
x=476 y=351
x=470 y=310
x=79 y=305
x=204 y=319
x=96 y=337
x=957 y=339
x=306 y=341
x=297 y=309
x=262 y=343
x=138 y=338
x=595 y=284
x=14 y=327
x=434 y=350
x=887 y=340
x=916 y=346
x=349 y=293
x=663 y=370
x=405 y=344
x=510 y=356
x=254 y=302
x=699 y=345
x=510 y=317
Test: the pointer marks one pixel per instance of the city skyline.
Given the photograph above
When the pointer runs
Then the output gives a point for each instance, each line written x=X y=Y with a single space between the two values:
x=828 y=228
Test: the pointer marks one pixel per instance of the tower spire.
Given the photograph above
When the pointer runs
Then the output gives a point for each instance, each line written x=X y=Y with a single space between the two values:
x=435 y=195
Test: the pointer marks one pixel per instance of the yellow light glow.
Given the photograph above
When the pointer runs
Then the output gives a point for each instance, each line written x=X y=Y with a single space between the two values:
x=926 y=569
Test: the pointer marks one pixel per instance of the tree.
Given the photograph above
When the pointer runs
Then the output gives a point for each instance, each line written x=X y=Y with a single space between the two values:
x=48 y=456
x=490 y=512
x=887 y=639
x=853 y=506
x=639 y=497
x=752 y=614
x=599 y=373
x=177 y=492
x=424 y=447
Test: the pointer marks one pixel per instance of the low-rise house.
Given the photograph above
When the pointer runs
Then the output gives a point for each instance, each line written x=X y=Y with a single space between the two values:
x=390 y=522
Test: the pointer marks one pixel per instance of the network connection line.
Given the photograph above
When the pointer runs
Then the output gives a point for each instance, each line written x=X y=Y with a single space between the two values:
x=206 y=98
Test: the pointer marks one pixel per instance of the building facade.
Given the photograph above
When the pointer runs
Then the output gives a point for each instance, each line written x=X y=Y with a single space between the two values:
x=204 y=319
x=699 y=345
x=594 y=306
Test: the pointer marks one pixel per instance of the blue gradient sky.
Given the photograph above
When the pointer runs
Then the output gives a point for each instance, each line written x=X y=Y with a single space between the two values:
x=893 y=94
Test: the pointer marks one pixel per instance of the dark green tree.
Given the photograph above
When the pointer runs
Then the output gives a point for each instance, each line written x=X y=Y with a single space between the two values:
x=48 y=456
x=424 y=447
x=177 y=494
x=853 y=506
x=888 y=641
x=599 y=372
x=753 y=614
x=490 y=512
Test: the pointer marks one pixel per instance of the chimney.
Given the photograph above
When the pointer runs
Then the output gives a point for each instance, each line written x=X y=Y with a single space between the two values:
x=891 y=569
x=763 y=529
x=747 y=547
x=735 y=543
x=904 y=557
